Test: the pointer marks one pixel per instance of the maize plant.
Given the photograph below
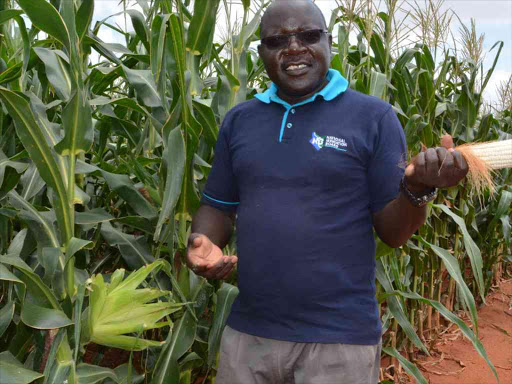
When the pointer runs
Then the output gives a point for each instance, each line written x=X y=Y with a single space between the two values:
x=102 y=162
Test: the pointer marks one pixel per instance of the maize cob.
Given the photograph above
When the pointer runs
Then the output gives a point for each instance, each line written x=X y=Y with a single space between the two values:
x=495 y=154
x=483 y=159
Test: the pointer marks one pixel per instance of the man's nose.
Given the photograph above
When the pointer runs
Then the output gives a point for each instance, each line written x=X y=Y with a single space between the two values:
x=295 y=45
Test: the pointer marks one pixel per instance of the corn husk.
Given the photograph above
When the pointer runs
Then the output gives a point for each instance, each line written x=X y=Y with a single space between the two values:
x=119 y=308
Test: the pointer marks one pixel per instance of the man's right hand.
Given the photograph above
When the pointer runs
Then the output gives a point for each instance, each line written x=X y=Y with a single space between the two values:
x=206 y=259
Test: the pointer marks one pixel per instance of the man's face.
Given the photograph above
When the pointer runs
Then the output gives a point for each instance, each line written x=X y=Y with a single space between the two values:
x=298 y=69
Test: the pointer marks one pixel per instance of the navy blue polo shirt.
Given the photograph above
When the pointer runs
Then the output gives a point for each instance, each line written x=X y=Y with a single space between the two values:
x=304 y=181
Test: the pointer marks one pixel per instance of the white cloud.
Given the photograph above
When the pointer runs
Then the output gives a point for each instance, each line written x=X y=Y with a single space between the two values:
x=497 y=77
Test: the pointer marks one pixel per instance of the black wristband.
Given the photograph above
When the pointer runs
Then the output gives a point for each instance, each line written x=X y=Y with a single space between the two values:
x=417 y=201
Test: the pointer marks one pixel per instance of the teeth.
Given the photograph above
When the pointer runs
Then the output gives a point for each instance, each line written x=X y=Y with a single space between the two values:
x=294 y=67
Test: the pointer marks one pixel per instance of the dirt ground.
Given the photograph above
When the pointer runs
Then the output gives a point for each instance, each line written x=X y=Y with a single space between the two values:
x=454 y=359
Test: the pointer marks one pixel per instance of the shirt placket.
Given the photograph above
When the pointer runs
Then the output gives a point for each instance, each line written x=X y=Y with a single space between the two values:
x=288 y=125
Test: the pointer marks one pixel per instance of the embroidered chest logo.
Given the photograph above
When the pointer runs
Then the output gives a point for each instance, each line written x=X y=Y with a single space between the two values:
x=320 y=142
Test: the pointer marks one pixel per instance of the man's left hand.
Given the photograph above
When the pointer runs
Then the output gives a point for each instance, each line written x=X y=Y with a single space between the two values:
x=439 y=167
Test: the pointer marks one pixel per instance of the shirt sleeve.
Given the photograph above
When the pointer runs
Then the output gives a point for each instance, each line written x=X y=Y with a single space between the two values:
x=388 y=162
x=221 y=189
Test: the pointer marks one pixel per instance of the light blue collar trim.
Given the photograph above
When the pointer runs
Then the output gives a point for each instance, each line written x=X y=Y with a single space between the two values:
x=337 y=85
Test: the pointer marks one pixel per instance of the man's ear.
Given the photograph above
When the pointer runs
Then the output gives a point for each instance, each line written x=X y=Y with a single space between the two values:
x=260 y=48
x=330 y=40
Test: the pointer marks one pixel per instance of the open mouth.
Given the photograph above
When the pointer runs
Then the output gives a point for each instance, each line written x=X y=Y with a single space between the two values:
x=296 y=69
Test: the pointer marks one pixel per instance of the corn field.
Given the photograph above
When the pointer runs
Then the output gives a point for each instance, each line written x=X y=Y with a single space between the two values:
x=102 y=165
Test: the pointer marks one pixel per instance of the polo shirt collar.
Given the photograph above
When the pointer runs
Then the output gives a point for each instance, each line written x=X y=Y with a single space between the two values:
x=337 y=85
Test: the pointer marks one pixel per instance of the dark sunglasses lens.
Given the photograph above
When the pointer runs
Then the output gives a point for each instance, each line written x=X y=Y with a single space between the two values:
x=310 y=37
x=275 y=42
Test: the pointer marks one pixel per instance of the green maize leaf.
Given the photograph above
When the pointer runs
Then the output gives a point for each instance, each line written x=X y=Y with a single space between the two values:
x=135 y=251
x=206 y=118
x=175 y=39
x=43 y=156
x=202 y=26
x=78 y=319
x=122 y=101
x=9 y=14
x=129 y=343
x=77 y=122
x=11 y=179
x=125 y=376
x=52 y=365
x=43 y=228
x=91 y=374
x=396 y=307
x=94 y=216
x=137 y=277
x=7 y=312
x=248 y=32
x=45 y=17
x=18 y=243
x=115 y=279
x=74 y=245
x=139 y=24
x=57 y=71
x=7 y=275
x=144 y=83
x=31 y=182
x=50 y=131
x=408 y=366
x=490 y=72
x=158 y=29
x=39 y=291
x=13 y=372
x=84 y=17
x=97 y=298
x=472 y=249
x=452 y=266
x=50 y=261
x=138 y=223
x=26 y=42
x=177 y=343
x=173 y=185
x=502 y=209
x=225 y=297
x=5 y=162
x=63 y=368
x=43 y=318
x=378 y=85
x=123 y=186
x=119 y=304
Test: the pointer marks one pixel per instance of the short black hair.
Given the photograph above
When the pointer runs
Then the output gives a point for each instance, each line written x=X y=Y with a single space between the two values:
x=265 y=14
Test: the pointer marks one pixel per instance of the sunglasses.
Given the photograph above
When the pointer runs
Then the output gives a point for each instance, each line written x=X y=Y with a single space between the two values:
x=309 y=37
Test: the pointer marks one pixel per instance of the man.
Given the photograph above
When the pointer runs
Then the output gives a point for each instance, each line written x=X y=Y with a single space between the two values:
x=310 y=168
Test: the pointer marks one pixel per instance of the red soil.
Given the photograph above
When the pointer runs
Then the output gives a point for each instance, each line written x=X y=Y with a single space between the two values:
x=453 y=358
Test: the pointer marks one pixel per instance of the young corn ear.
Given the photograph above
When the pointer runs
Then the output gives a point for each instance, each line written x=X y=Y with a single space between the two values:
x=483 y=159
x=119 y=308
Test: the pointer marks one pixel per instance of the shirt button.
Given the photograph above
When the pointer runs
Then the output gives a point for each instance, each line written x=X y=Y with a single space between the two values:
x=289 y=125
x=293 y=111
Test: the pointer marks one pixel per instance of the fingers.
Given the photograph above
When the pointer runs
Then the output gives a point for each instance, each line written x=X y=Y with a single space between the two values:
x=447 y=142
x=221 y=269
x=437 y=167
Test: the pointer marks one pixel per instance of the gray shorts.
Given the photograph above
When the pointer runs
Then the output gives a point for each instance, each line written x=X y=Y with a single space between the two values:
x=247 y=359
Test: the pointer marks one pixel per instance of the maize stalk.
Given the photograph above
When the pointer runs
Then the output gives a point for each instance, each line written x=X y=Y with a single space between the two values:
x=119 y=308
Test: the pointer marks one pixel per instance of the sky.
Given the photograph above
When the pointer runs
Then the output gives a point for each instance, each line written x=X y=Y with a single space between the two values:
x=493 y=18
